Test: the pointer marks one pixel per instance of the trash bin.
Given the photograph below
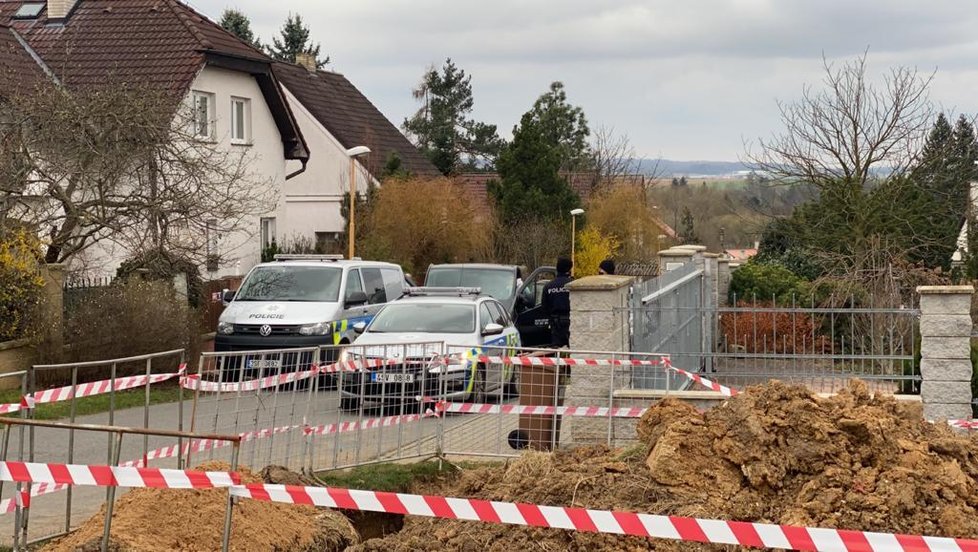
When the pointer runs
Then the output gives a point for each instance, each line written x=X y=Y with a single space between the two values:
x=540 y=386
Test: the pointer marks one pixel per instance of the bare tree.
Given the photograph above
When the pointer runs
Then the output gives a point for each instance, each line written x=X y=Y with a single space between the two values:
x=120 y=163
x=848 y=130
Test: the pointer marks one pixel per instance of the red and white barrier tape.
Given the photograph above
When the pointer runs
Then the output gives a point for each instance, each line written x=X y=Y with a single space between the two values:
x=485 y=408
x=760 y=535
x=115 y=476
x=387 y=421
x=194 y=382
x=555 y=361
x=87 y=390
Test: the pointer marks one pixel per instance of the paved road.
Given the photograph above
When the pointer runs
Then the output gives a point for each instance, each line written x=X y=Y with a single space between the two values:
x=231 y=414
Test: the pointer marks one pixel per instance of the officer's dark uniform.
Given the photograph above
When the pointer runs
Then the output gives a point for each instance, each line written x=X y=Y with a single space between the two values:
x=556 y=303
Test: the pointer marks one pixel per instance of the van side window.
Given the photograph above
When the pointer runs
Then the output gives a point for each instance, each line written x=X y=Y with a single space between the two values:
x=393 y=282
x=353 y=282
x=373 y=283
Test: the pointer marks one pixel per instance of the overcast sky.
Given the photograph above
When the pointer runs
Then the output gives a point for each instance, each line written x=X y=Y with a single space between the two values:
x=685 y=79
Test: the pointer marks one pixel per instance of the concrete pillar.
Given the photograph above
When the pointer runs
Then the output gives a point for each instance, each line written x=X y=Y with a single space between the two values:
x=723 y=282
x=945 y=351
x=54 y=280
x=599 y=322
x=673 y=258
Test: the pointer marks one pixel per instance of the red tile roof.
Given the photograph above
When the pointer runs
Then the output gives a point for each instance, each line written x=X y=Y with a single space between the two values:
x=351 y=118
x=19 y=71
x=160 y=43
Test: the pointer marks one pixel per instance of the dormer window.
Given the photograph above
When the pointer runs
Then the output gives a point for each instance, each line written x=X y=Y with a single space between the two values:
x=29 y=10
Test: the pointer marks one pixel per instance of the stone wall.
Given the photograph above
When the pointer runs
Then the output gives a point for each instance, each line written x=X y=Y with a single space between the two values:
x=15 y=356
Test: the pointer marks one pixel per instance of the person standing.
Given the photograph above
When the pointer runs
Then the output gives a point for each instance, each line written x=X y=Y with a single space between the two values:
x=607 y=266
x=556 y=304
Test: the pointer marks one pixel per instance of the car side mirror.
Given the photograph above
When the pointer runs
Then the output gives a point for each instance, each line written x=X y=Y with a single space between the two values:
x=227 y=295
x=356 y=298
x=360 y=327
x=493 y=329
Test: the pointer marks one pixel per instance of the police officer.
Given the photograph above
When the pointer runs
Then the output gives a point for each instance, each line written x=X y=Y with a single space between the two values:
x=607 y=266
x=556 y=303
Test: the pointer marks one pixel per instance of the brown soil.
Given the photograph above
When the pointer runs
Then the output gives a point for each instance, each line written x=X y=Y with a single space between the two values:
x=776 y=454
x=160 y=520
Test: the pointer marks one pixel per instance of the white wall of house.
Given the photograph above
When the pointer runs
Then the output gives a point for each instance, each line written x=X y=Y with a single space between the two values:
x=264 y=153
x=962 y=250
x=312 y=199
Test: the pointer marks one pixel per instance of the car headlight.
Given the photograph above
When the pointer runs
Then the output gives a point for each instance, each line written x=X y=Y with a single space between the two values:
x=319 y=328
x=225 y=328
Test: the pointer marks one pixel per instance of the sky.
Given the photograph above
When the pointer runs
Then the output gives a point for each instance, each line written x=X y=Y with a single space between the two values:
x=683 y=79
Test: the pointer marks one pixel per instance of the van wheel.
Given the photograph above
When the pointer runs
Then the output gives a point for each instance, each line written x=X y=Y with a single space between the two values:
x=478 y=394
x=349 y=404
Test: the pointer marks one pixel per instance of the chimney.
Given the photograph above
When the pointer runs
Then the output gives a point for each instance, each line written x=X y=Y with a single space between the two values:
x=306 y=60
x=58 y=9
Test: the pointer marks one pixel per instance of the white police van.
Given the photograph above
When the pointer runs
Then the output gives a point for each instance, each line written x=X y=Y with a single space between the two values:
x=305 y=301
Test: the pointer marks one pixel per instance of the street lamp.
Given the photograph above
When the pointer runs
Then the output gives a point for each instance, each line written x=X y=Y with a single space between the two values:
x=574 y=213
x=353 y=153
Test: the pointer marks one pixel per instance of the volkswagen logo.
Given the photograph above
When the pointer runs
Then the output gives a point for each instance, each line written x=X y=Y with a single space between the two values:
x=265 y=330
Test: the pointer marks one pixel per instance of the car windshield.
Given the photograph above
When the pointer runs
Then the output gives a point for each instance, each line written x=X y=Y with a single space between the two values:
x=425 y=318
x=291 y=283
x=496 y=283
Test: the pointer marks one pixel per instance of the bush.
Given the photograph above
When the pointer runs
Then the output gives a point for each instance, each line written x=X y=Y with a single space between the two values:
x=21 y=284
x=592 y=248
x=419 y=222
x=132 y=317
x=767 y=331
x=766 y=282
x=624 y=213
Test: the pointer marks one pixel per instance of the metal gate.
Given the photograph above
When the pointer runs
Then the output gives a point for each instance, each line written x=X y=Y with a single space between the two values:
x=667 y=316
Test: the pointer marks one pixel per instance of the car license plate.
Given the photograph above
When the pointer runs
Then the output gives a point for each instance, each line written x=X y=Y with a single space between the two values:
x=381 y=377
x=264 y=364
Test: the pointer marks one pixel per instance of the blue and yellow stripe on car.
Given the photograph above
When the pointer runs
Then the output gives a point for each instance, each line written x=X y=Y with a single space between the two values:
x=340 y=328
x=471 y=356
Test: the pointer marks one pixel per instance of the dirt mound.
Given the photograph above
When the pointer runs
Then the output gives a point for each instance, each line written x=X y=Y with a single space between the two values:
x=775 y=453
x=161 y=519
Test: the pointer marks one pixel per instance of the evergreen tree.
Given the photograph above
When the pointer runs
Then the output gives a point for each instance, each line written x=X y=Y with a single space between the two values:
x=237 y=23
x=441 y=127
x=295 y=40
x=687 y=230
x=530 y=186
x=564 y=127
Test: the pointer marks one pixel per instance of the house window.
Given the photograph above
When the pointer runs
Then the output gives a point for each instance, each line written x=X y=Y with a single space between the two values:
x=267 y=232
x=240 y=121
x=212 y=245
x=203 y=115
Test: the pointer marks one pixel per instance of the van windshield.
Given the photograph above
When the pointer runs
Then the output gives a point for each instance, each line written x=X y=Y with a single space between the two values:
x=291 y=283
x=496 y=283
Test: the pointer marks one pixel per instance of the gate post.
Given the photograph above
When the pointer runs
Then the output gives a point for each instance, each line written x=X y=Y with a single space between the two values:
x=599 y=322
x=945 y=351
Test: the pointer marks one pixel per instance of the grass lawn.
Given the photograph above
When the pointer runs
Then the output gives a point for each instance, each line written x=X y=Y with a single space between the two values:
x=159 y=393
x=394 y=477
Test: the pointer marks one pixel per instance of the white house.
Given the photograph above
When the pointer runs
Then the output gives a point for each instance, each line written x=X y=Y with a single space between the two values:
x=292 y=124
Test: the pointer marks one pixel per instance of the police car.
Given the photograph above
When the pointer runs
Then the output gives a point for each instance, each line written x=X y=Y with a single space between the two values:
x=414 y=328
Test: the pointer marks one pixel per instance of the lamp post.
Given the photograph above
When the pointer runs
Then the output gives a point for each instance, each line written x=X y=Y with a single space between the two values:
x=353 y=153
x=574 y=213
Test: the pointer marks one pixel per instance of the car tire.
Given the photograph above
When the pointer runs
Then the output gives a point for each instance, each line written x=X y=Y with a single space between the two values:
x=478 y=394
x=349 y=404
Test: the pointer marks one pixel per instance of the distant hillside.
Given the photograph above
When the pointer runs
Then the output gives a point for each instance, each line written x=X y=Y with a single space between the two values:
x=665 y=168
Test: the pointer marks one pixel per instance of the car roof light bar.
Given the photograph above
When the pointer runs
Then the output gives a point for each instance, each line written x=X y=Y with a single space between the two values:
x=301 y=257
x=453 y=291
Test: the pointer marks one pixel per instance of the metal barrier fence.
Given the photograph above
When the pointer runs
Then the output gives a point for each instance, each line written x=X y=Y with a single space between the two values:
x=33 y=442
x=320 y=408
x=532 y=396
x=116 y=433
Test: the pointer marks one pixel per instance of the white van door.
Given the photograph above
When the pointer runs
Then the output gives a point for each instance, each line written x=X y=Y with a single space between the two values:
x=354 y=308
